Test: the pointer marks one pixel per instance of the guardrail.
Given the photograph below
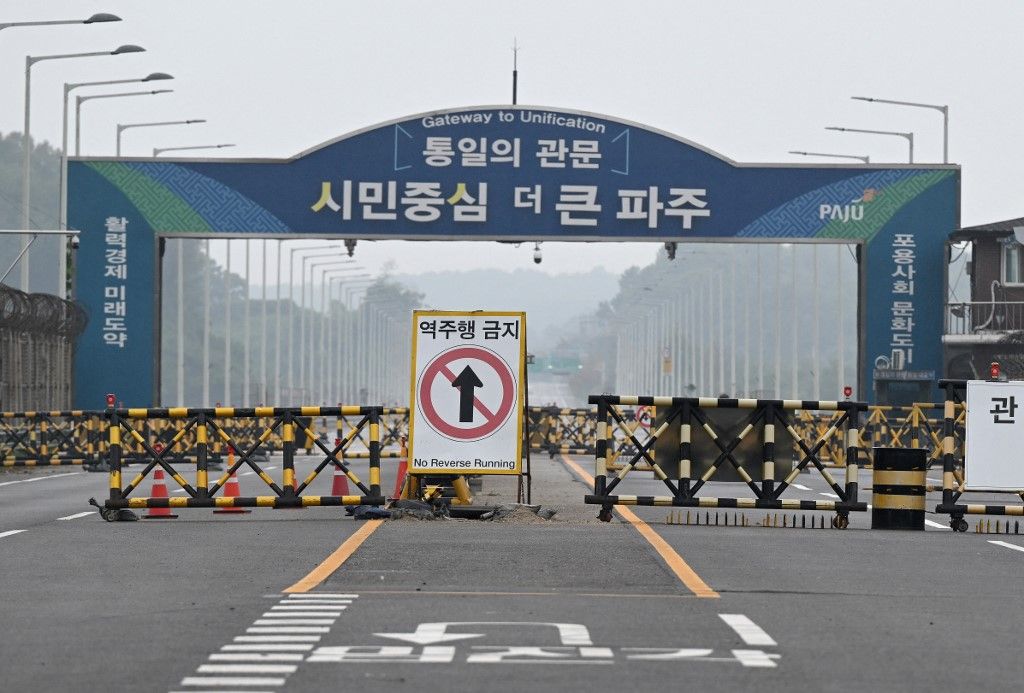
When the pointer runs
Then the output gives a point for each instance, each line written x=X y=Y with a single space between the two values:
x=685 y=412
x=192 y=440
x=953 y=486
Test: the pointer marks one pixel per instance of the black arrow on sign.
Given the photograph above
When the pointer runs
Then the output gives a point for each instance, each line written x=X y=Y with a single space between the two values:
x=467 y=382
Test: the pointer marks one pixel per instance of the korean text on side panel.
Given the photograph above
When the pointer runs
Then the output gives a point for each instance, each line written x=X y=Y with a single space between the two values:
x=115 y=275
x=901 y=324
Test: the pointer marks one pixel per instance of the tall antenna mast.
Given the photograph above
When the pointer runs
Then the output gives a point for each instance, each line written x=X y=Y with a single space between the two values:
x=515 y=69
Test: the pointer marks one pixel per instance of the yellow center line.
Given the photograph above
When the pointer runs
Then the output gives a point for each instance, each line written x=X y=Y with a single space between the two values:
x=335 y=560
x=673 y=560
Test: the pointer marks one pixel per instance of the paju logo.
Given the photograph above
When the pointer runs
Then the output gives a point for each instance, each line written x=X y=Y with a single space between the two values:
x=854 y=211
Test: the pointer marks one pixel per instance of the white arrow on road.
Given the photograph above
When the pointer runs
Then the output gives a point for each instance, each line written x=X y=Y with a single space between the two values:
x=430 y=633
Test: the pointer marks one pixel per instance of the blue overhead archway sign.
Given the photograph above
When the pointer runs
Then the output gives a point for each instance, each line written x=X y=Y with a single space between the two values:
x=504 y=173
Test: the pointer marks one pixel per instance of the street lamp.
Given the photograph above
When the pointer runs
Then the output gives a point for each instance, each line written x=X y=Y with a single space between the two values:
x=157 y=151
x=121 y=127
x=151 y=77
x=935 y=107
x=26 y=159
x=908 y=136
x=95 y=19
x=864 y=159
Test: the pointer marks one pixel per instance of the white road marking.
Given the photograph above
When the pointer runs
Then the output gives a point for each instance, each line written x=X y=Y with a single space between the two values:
x=1005 y=544
x=294 y=621
x=246 y=473
x=828 y=495
x=256 y=657
x=936 y=525
x=305 y=603
x=231 y=681
x=309 y=614
x=267 y=469
x=288 y=629
x=749 y=632
x=322 y=595
x=801 y=487
x=270 y=647
x=78 y=515
x=277 y=638
x=39 y=478
x=178 y=490
x=11 y=532
x=310 y=606
x=755 y=658
x=246 y=669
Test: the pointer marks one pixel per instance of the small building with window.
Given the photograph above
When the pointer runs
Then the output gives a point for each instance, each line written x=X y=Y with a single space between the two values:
x=986 y=324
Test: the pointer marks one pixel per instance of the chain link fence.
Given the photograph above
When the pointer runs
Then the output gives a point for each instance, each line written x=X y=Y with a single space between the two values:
x=37 y=341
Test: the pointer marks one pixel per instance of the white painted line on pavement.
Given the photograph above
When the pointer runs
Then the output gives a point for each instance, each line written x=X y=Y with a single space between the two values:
x=288 y=629
x=246 y=473
x=78 y=515
x=755 y=658
x=828 y=495
x=294 y=622
x=310 y=606
x=749 y=632
x=11 y=532
x=322 y=595
x=270 y=647
x=307 y=614
x=246 y=669
x=231 y=681
x=1005 y=544
x=936 y=525
x=39 y=478
x=256 y=657
x=801 y=487
x=277 y=638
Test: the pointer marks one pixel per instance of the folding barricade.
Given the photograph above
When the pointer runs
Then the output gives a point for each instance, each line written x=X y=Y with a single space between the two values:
x=200 y=425
x=567 y=431
x=50 y=438
x=685 y=412
x=953 y=486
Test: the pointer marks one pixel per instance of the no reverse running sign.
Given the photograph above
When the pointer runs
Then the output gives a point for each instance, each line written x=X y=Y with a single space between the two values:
x=466 y=402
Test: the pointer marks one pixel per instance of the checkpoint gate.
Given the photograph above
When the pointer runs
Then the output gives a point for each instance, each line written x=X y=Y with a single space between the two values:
x=502 y=173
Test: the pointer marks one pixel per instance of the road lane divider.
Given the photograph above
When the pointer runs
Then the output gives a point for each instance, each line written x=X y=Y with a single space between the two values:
x=11 y=532
x=336 y=559
x=76 y=516
x=1004 y=544
x=38 y=478
x=679 y=567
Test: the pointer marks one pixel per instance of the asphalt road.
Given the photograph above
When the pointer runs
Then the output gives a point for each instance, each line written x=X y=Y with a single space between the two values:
x=198 y=603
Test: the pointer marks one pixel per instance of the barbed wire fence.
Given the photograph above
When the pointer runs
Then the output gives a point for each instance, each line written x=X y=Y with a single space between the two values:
x=37 y=342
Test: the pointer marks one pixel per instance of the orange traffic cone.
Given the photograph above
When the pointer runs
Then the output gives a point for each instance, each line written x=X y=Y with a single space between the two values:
x=403 y=468
x=231 y=489
x=339 y=487
x=159 y=491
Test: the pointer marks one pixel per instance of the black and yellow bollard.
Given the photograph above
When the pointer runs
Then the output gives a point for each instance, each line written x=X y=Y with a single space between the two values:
x=899 y=488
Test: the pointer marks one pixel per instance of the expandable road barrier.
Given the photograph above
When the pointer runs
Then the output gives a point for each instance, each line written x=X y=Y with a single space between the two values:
x=50 y=438
x=898 y=488
x=953 y=487
x=684 y=412
x=287 y=422
x=569 y=431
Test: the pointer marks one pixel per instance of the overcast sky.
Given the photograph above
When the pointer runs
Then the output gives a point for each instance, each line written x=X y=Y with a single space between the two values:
x=751 y=80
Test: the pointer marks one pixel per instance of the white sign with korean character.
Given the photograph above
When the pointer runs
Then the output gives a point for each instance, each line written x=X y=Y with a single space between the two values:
x=995 y=435
x=466 y=399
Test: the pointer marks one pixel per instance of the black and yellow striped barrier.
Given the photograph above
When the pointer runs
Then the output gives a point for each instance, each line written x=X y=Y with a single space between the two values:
x=205 y=424
x=686 y=413
x=953 y=487
x=50 y=438
x=898 y=487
